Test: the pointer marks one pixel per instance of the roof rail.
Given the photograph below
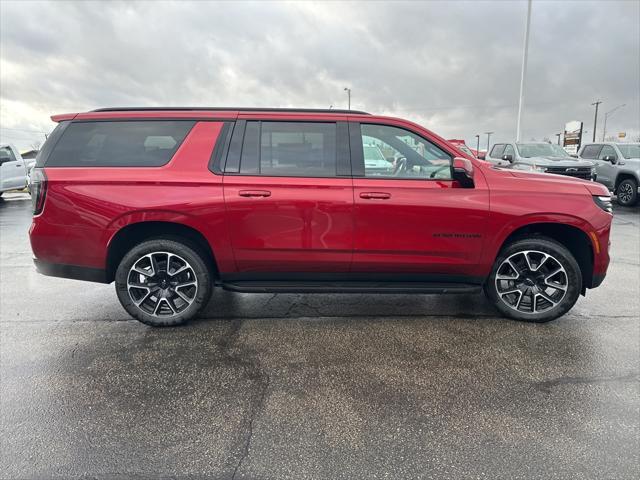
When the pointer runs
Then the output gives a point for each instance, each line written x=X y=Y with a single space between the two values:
x=231 y=109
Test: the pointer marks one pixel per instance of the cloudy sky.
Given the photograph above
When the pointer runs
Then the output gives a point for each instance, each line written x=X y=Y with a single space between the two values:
x=453 y=66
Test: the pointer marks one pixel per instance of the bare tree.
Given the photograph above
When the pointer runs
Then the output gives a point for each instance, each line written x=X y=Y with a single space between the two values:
x=35 y=145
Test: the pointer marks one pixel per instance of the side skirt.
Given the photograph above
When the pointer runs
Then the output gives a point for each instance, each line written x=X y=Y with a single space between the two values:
x=284 y=286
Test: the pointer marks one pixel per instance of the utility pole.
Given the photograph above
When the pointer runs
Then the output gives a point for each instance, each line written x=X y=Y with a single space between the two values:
x=477 y=144
x=488 y=137
x=523 y=72
x=348 y=90
x=595 y=119
x=606 y=115
x=558 y=135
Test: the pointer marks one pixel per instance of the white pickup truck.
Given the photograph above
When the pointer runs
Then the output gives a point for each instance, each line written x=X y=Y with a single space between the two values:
x=14 y=169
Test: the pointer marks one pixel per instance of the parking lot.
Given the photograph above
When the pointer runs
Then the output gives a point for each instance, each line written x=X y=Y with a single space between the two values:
x=316 y=386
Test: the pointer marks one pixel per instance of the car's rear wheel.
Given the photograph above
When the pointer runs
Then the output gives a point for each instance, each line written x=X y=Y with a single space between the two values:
x=627 y=192
x=163 y=282
x=534 y=280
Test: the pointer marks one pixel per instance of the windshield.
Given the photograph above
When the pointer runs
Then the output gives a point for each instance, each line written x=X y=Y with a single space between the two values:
x=629 y=151
x=528 y=150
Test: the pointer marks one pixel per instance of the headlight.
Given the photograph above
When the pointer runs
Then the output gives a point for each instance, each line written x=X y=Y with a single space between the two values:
x=594 y=173
x=537 y=168
x=604 y=202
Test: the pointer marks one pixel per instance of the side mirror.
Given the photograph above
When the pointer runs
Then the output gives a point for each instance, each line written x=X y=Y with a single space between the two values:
x=508 y=158
x=463 y=172
x=610 y=158
x=482 y=156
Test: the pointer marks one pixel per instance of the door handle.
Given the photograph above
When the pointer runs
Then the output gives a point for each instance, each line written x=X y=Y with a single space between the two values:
x=375 y=195
x=254 y=193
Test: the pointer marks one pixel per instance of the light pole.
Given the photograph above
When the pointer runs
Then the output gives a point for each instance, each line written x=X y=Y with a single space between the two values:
x=348 y=90
x=488 y=137
x=477 y=145
x=606 y=115
x=523 y=72
x=595 y=119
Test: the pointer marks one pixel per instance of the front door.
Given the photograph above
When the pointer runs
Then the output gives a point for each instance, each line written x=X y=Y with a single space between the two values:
x=289 y=197
x=606 y=169
x=410 y=216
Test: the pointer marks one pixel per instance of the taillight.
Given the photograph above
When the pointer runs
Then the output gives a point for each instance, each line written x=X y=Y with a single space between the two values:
x=38 y=189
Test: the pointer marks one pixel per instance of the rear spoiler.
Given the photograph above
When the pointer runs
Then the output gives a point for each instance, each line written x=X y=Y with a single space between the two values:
x=63 y=116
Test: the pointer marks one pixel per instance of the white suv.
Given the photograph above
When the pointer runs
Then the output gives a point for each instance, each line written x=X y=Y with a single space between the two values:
x=618 y=168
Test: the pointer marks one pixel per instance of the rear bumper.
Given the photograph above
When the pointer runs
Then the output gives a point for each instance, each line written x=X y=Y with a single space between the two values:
x=73 y=272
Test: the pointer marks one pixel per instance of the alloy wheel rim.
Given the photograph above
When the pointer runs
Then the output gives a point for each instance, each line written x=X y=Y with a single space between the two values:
x=531 y=282
x=625 y=193
x=162 y=284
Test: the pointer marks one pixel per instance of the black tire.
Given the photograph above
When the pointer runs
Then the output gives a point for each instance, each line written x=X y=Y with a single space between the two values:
x=551 y=256
x=627 y=192
x=182 y=252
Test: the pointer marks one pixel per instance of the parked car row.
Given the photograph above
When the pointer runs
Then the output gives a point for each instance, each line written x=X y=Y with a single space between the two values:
x=614 y=165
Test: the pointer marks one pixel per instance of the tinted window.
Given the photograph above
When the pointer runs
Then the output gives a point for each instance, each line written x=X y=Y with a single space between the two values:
x=591 y=151
x=607 y=151
x=496 y=151
x=293 y=149
x=49 y=143
x=118 y=144
x=399 y=153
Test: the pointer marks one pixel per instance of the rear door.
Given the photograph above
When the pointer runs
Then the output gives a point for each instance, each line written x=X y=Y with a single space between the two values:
x=289 y=197
x=12 y=170
x=412 y=218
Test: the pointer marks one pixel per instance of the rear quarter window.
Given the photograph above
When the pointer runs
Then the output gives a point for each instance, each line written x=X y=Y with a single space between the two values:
x=119 y=143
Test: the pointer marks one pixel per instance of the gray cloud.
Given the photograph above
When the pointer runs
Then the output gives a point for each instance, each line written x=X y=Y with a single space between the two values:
x=452 y=66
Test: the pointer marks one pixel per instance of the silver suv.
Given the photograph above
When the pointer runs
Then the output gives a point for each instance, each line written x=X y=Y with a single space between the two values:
x=540 y=157
x=618 y=168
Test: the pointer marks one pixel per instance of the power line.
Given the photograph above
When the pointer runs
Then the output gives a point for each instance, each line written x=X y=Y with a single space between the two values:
x=23 y=130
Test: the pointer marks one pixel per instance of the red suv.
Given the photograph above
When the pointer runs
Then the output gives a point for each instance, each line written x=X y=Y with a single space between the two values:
x=170 y=202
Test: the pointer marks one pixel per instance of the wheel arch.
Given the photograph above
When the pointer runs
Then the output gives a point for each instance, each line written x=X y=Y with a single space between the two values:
x=624 y=176
x=134 y=233
x=575 y=239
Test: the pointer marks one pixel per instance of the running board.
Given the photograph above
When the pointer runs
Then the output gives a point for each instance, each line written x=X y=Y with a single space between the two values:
x=348 y=287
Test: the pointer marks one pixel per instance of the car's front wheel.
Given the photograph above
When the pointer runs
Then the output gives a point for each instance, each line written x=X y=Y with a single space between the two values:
x=163 y=282
x=627 y=192
x=534 y=280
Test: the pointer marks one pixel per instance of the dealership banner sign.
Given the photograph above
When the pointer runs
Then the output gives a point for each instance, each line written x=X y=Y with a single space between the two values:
x=572 y=137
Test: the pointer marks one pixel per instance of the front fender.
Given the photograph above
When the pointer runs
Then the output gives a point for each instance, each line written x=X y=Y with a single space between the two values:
x=494 y=246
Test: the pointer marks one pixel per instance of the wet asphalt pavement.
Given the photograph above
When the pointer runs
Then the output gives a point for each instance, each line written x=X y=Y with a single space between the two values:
x=315 y=386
